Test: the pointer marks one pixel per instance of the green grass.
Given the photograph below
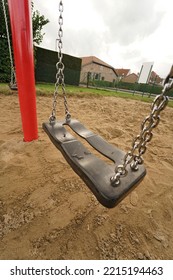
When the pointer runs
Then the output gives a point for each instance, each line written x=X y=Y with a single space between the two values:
x=47 y=89
x=81 y=92
x=4 y=89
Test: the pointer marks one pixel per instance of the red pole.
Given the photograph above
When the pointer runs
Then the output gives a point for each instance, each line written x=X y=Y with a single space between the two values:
x=21 y=27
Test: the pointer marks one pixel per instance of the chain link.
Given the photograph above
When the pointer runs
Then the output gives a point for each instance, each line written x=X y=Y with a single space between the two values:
x=60 y=71
x=13 y=74
x=139 y=144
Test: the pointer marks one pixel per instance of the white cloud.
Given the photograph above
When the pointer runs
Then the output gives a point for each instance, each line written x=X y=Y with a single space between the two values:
x=123 y=33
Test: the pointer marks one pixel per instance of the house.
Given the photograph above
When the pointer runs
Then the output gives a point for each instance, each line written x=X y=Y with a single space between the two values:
x=122 y=72
x=131 y=78
x=155 y=79
x=97 y=69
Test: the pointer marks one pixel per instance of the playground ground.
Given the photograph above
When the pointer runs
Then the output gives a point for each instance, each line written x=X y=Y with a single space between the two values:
x=47 y=212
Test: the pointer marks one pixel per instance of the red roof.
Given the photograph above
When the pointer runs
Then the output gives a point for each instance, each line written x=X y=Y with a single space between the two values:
x=122 y=72
x=93 y=59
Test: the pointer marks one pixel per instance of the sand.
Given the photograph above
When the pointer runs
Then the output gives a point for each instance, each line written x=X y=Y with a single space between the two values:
x=47 y=212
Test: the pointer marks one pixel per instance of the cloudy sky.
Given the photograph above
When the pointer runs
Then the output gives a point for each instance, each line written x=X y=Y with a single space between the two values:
x=123 y=33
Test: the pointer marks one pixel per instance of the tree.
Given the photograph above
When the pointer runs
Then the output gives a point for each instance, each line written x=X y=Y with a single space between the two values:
x=38 y=22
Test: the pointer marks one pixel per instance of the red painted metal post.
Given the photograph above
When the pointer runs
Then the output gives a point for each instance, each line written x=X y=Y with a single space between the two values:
x=21 y=27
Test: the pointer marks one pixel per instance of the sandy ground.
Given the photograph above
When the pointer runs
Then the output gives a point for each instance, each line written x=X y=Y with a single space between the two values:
x=47 y=212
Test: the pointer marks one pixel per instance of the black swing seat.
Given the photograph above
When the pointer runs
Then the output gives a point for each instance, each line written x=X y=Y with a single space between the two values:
x=13 y=86
x=96 y=173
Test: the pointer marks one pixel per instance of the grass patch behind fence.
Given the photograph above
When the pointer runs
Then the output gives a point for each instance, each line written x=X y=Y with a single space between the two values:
x=82 y=92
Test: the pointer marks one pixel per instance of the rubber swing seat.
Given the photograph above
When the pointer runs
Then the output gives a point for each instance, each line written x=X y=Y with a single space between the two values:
x=13 y=86
x=96 y=173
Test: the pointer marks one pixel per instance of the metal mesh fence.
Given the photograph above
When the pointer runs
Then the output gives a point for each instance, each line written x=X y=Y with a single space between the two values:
x=45 y=70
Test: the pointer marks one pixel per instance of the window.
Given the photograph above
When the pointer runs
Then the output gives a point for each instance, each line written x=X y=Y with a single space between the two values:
x=97 y=76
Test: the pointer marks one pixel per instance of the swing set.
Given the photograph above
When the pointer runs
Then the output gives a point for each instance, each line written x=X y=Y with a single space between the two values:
x=13 y=82
x=110 y=183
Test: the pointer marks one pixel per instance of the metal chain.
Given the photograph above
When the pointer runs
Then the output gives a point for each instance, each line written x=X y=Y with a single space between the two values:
x=139 y=144
x=13 y=74
x=60 y=71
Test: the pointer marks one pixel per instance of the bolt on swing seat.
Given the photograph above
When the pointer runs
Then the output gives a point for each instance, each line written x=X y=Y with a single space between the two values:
x=96 y=173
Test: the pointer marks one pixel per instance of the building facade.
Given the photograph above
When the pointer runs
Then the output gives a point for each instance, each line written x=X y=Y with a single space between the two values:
x=131 y=78
x=96 y=69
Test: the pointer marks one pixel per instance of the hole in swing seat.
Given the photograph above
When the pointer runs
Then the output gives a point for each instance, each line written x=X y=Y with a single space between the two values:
x=96 y=173
x=88 y=146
